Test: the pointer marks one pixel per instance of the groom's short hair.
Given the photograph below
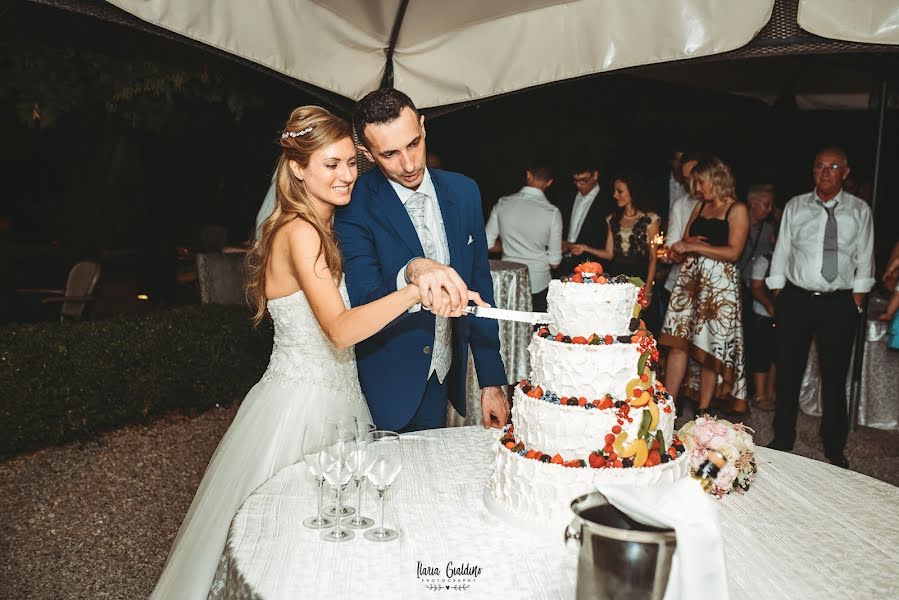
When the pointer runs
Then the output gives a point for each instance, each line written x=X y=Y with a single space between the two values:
x=380 y=106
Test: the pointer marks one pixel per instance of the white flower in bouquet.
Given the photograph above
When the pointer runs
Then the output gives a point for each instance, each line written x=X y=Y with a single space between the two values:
x=707 y=434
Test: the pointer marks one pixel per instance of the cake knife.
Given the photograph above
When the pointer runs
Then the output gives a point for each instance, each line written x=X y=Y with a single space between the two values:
x=503 y=314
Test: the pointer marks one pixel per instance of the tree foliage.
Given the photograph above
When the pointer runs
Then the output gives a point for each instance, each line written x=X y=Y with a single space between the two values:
x=76 y=66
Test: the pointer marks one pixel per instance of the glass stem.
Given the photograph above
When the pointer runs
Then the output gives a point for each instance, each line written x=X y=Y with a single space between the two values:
x=359 y=501
x=381 y=499
x=337 y=532
x=321 y=487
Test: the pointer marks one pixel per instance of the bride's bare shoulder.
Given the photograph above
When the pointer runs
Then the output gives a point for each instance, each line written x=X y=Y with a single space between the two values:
x=298 y=234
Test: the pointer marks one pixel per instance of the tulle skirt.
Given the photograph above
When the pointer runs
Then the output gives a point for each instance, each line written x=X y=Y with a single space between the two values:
x=265 y=437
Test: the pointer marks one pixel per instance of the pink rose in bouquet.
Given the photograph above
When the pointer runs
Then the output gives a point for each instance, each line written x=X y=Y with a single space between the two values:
x=707 y=434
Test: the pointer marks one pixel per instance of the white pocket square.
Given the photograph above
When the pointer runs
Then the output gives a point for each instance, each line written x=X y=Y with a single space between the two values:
x=470 y=240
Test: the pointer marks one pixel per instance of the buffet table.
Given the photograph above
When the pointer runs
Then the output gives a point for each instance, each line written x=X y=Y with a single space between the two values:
x=805 y=529
x=511 y=290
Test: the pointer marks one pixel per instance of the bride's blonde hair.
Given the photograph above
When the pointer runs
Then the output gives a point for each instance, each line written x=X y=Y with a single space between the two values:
x=309 y=128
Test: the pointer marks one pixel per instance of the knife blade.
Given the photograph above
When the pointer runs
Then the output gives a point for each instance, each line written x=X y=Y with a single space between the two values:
x=503 y=314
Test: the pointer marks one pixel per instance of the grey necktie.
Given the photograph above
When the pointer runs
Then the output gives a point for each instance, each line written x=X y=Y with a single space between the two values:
x=442 y=351
x=829 y=262
x=415 y=206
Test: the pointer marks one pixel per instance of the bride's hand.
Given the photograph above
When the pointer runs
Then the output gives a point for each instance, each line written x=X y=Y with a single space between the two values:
x=472 y=297
x=415 y=291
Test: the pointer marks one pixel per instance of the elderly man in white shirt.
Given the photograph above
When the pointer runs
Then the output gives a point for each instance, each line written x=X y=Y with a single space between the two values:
x=530 y=231
x=822 y=267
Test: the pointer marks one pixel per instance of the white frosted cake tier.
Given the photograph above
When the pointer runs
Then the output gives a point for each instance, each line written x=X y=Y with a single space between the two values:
x=542 y=492
x=573 y=431
x=582 y=370
x=587 y=308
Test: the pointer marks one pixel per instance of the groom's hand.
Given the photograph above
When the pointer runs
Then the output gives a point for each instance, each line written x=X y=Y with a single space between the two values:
x=442 y=290
x=494 y=407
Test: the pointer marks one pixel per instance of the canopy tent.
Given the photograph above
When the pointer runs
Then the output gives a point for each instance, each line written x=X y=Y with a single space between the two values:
x=449 y=52
x=445 y=53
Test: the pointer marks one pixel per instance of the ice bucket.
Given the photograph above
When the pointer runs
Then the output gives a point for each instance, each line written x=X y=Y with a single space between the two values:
x=618 y=557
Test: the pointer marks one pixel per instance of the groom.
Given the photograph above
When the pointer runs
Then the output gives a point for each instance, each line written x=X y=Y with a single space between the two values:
x=410 y=224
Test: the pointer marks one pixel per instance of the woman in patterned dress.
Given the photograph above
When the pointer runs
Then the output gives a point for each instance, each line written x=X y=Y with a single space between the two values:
x=703 y=320
x=631 y=229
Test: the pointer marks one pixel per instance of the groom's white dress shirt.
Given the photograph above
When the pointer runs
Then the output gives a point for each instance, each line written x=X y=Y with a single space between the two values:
x=531 y=230
x=442 y=352
x=579 y=212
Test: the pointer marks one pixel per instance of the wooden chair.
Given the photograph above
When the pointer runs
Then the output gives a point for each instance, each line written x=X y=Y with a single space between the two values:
x=78 y=293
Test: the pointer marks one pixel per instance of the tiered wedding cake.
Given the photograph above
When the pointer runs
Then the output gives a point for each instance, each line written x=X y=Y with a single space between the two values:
x=592 y=411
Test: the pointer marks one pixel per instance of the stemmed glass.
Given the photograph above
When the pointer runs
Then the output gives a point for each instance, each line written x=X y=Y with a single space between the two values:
x=312 y=444
x=386 y=462
x=338 y=443
x=344 y=511
x=361 y=461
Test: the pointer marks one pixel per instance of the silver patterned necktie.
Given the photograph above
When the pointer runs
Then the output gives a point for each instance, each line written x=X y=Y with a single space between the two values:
x=442 y=351
x=829 y=266
x=415 y=206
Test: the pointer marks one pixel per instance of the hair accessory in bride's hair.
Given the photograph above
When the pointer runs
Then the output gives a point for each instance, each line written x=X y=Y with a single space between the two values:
x=294 y=134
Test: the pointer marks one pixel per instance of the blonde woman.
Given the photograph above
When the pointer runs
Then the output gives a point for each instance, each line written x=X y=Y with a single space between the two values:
x=294 y=275
x=703 y=320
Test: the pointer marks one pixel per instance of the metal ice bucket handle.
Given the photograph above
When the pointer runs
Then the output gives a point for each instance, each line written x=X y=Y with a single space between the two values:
x=629 y=560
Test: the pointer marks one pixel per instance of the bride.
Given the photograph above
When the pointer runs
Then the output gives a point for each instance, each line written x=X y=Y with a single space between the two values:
x=294 y=274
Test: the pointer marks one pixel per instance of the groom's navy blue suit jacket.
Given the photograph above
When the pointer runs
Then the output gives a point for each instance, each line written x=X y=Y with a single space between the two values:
x=377 y=239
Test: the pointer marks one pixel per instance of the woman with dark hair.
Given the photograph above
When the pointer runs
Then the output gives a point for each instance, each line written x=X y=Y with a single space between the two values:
x=631 y=229
x=704 y=317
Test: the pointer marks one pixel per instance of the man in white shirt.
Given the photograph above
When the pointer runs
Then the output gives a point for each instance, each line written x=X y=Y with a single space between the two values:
x=586 y=219
x=679 y=216
x=530 y=231
x=822 y=267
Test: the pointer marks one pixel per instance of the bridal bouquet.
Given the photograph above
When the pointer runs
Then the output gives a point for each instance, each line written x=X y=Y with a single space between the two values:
x=707 y=434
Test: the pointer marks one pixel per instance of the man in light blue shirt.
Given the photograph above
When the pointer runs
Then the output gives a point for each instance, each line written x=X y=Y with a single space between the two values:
x=529 y=230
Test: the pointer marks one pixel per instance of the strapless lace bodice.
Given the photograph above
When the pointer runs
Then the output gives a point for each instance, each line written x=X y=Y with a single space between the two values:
x=302 y=353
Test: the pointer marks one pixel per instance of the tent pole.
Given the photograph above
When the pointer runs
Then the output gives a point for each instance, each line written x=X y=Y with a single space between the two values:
x=387 y=80
x=859 y=356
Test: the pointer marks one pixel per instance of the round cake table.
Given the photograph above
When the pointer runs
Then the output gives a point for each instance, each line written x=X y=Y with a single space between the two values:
x=805 y=529
x=511 y=290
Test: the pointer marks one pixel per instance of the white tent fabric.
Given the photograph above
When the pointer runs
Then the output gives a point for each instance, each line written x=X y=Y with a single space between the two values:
x=865 y=21
x=461 y=50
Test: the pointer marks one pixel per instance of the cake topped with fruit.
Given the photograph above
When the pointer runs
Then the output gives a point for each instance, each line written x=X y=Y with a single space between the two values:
x=592 y=410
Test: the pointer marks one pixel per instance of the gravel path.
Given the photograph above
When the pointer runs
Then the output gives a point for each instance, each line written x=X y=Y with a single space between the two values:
x=95 y=520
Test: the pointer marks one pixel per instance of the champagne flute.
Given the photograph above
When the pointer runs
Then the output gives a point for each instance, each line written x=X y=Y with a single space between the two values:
x=361 y=461
x=338 y=443
x=386 y=462
x=312 y=442
x=350 y=422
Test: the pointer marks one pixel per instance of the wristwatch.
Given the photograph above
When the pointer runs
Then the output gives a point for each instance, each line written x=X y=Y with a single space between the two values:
x=860 y=308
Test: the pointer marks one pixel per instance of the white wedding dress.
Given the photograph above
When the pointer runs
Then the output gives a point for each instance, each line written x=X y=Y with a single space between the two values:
x=307 y=380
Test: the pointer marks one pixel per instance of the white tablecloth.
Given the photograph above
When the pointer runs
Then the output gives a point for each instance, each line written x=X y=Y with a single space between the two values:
x=878 y=404
x=806 y=529
x=511 y=290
